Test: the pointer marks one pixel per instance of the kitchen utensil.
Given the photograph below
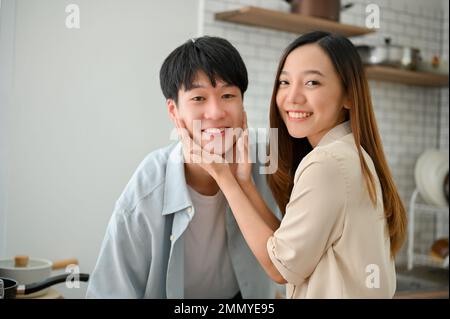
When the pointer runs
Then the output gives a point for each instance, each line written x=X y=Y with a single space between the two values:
x=11 y=288
x=325 y=9
x=430 y=171
x=419 y=178
x=446 y=187
x=429 y=67
x=390 y=55
x=2 y=289
x=27 y=270
x=439 y=250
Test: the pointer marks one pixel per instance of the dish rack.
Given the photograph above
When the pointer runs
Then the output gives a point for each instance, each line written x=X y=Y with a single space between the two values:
x=435 y=220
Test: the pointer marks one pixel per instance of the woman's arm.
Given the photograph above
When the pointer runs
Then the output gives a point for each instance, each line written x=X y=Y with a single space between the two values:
x=254 y=228
x=242 y=170
x=259 y=203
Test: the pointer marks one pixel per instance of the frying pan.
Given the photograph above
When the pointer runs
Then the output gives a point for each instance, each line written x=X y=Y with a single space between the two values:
x=446 y=187
x=27 y=270
x=10 y=289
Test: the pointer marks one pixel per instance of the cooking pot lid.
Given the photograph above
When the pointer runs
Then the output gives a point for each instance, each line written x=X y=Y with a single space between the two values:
x=33 y=263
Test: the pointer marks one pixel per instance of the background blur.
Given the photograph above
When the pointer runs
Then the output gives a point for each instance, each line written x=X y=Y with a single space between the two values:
x=80 y=108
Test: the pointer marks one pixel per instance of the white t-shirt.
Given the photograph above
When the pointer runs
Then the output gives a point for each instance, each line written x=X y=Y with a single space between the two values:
x=208 y=272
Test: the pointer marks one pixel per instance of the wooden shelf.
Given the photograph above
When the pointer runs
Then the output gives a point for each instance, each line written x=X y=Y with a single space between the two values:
x=297 y=23
x=291 y=22
x=390 y=74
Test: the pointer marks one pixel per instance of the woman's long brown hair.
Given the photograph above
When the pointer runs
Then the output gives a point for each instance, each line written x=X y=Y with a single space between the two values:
x=291 y=151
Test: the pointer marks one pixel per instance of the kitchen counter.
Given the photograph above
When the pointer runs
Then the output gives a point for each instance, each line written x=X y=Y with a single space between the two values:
x=422 y=282
x=432 y=294
x=51 y=294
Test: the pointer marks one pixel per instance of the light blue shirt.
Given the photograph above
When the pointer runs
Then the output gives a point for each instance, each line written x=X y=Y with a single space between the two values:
x=142 y=254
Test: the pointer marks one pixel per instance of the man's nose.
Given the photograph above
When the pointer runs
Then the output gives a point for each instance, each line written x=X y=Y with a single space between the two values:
x=214 y=110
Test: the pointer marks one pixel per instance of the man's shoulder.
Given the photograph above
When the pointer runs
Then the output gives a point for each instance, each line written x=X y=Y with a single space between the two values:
x=155 y=159
x=147 y=179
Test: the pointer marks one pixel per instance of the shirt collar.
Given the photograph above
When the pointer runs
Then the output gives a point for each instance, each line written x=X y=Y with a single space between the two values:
x=336 y=133
x=176 y=196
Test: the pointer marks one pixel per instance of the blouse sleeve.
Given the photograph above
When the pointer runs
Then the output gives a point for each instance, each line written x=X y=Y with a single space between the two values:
x=314 y=218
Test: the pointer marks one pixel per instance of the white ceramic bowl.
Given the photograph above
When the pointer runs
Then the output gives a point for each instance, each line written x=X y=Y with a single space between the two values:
x=36 y=270
x=430 y=171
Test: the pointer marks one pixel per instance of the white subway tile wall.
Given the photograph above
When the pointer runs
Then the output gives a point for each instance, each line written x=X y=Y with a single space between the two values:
x=411 y=119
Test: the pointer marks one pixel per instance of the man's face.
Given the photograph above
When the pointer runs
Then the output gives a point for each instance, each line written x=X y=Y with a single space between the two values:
x=210 y=113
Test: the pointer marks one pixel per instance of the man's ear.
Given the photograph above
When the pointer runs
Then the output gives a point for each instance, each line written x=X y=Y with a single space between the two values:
x=172 y=109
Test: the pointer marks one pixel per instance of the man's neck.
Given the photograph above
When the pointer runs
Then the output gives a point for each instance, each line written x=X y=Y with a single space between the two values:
x=200 y=180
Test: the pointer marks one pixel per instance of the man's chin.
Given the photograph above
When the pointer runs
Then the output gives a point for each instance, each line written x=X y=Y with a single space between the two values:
x=221 y=151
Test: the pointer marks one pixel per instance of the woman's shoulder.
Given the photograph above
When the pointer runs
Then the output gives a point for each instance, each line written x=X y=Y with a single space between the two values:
x=340 y=156
x=340 y=150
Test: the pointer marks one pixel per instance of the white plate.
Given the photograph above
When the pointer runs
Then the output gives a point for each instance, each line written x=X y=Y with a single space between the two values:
x=425 y=173
x=438 y=164
x=420 y=178
x=430 y=171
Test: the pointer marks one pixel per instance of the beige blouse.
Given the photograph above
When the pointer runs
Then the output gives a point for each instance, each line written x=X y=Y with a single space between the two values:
x=333 y=242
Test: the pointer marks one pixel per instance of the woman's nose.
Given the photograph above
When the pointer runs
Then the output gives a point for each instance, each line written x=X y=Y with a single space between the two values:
x=296 y=95
x=214 y=110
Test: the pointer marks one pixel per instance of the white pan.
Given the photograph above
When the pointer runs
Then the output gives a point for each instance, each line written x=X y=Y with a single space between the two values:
x=27 y=270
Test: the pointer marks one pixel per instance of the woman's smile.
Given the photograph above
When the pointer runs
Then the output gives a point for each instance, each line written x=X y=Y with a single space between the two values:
x=298 y=116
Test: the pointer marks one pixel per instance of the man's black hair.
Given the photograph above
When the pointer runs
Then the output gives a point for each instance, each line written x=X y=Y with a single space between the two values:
x=215 y=56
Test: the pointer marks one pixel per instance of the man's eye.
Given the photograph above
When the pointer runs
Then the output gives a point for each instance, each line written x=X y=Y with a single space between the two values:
x=312 y=83
x=228 y=96
x=282 y=82
x=198 y=98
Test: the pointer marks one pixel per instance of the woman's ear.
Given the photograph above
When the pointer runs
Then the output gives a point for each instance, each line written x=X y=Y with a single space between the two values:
x=172 y=109
x=347 y=104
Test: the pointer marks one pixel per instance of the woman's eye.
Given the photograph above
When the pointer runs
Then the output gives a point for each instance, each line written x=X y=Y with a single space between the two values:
x=312 y=83
x=198 y=98
x=283 y=82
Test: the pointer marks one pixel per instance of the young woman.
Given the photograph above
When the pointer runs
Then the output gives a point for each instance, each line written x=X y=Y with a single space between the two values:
x=343 y=219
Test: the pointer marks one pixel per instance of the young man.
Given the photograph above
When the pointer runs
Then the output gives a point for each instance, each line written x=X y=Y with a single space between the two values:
x=172 y=234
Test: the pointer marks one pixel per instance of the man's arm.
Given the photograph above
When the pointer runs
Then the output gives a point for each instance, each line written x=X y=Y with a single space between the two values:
x=123 y=264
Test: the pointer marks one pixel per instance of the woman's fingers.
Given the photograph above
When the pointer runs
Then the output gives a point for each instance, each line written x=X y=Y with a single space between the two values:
x=181 y=129
x=185 y=140
x=244 y=121
x=243 y=141
x=193 y=152
x=242 y=146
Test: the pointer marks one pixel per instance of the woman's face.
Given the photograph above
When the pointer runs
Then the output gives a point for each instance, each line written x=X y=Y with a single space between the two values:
x=310 y=96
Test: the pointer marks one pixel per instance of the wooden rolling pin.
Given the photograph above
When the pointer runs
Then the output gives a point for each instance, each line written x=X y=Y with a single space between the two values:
x=61 y=264
x=22 y=261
